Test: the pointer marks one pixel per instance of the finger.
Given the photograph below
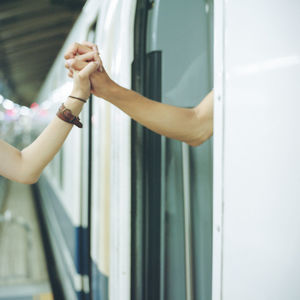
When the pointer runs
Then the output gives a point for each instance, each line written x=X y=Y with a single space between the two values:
x=91 y=56
x=76 y=48
x=75 y=63
x=89 y=44
x=89 y=69
x=88 y=56
x=70 y=72
x=95 y=48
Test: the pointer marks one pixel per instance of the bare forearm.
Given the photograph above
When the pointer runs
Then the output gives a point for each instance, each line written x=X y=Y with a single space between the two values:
x=44 y=148
x=26 y=166
x=48 y=143
x=192 y=126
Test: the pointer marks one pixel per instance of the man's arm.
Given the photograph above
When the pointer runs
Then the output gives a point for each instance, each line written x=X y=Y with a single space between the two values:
x=190 y=125
x=193 y=126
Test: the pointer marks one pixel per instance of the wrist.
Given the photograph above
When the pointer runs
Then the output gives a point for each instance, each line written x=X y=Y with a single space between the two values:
x=79 y=93
x=74 y=105
x=112 y=92
x=103 y=87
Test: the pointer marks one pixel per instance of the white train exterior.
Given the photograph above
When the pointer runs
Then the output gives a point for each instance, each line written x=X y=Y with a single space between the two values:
x=132 y=215
x=256 y=144
x=80 y=203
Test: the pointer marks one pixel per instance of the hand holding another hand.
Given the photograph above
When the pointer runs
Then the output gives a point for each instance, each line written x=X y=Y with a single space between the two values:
x=81 y=60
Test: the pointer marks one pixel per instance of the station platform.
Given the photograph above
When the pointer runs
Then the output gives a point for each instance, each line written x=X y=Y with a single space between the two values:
x=23 y=267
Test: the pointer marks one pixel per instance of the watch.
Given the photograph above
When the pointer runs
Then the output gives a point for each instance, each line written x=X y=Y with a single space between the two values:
x=66 y=115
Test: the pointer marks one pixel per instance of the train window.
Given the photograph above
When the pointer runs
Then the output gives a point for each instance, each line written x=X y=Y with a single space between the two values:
x=182 y=31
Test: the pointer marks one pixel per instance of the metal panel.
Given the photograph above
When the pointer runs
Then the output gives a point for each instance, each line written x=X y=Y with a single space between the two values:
x=260 y=185
x=189 y=274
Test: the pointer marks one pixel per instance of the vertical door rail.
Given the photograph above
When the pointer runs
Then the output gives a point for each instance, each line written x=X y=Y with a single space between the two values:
x=187 y=222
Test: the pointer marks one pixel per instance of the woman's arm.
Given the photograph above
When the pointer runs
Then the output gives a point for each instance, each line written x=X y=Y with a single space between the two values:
x=26 y=166
x=193 y=126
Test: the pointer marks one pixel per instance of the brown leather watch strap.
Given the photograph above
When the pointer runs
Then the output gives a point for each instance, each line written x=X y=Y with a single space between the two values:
x=66 y=115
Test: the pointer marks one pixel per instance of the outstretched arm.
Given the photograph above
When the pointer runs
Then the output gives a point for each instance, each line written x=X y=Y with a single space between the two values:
x=26 y=166
x=190 y=125
x=193 y=126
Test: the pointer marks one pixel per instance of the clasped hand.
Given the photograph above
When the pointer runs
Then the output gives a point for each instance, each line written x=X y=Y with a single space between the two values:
x=85 y=67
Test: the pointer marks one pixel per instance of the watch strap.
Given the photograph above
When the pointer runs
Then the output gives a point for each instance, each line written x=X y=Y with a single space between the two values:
x=66 y=115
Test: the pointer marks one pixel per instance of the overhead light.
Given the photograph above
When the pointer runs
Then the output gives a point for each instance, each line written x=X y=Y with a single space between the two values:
x=8 y=104
x=24 y=111
x=34 y=105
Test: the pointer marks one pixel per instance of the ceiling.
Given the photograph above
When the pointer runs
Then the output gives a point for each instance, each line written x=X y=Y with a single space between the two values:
x=31 y=34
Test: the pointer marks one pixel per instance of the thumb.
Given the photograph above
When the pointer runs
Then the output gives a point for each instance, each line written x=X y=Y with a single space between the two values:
x=89 y=69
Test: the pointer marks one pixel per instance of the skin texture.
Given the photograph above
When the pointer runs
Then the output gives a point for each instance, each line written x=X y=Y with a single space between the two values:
x=192 y=126
x=26 y=166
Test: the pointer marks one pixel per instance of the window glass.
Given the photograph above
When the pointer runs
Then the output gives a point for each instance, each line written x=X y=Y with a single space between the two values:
x=182 y=30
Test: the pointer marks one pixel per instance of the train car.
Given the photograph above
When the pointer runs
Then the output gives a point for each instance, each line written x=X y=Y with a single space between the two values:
x=85 y=193
x=130 y=214
x=117 y=226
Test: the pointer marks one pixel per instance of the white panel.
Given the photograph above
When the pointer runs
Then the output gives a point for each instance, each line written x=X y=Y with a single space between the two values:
x=55 y=89
x=120 y=184
x=218 y=150
x=261 y=240
x=111 y=176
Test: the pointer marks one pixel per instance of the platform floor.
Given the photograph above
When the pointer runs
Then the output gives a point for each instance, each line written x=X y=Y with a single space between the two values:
x=23 y=270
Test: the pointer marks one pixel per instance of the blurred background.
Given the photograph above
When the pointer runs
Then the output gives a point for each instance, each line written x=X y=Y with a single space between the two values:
x=32 y=33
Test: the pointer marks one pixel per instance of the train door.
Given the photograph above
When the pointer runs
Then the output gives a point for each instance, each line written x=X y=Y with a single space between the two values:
x=172 y=182
x=111 y=196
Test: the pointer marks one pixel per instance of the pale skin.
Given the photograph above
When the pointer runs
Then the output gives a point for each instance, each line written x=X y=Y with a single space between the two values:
x=192 y=126
x=25 y=166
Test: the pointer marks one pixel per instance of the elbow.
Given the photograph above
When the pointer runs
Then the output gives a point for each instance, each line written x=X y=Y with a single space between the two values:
x=27 y=174
x=197 y=141
x=28 y=179
x=32 y=180
x=201 y=128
